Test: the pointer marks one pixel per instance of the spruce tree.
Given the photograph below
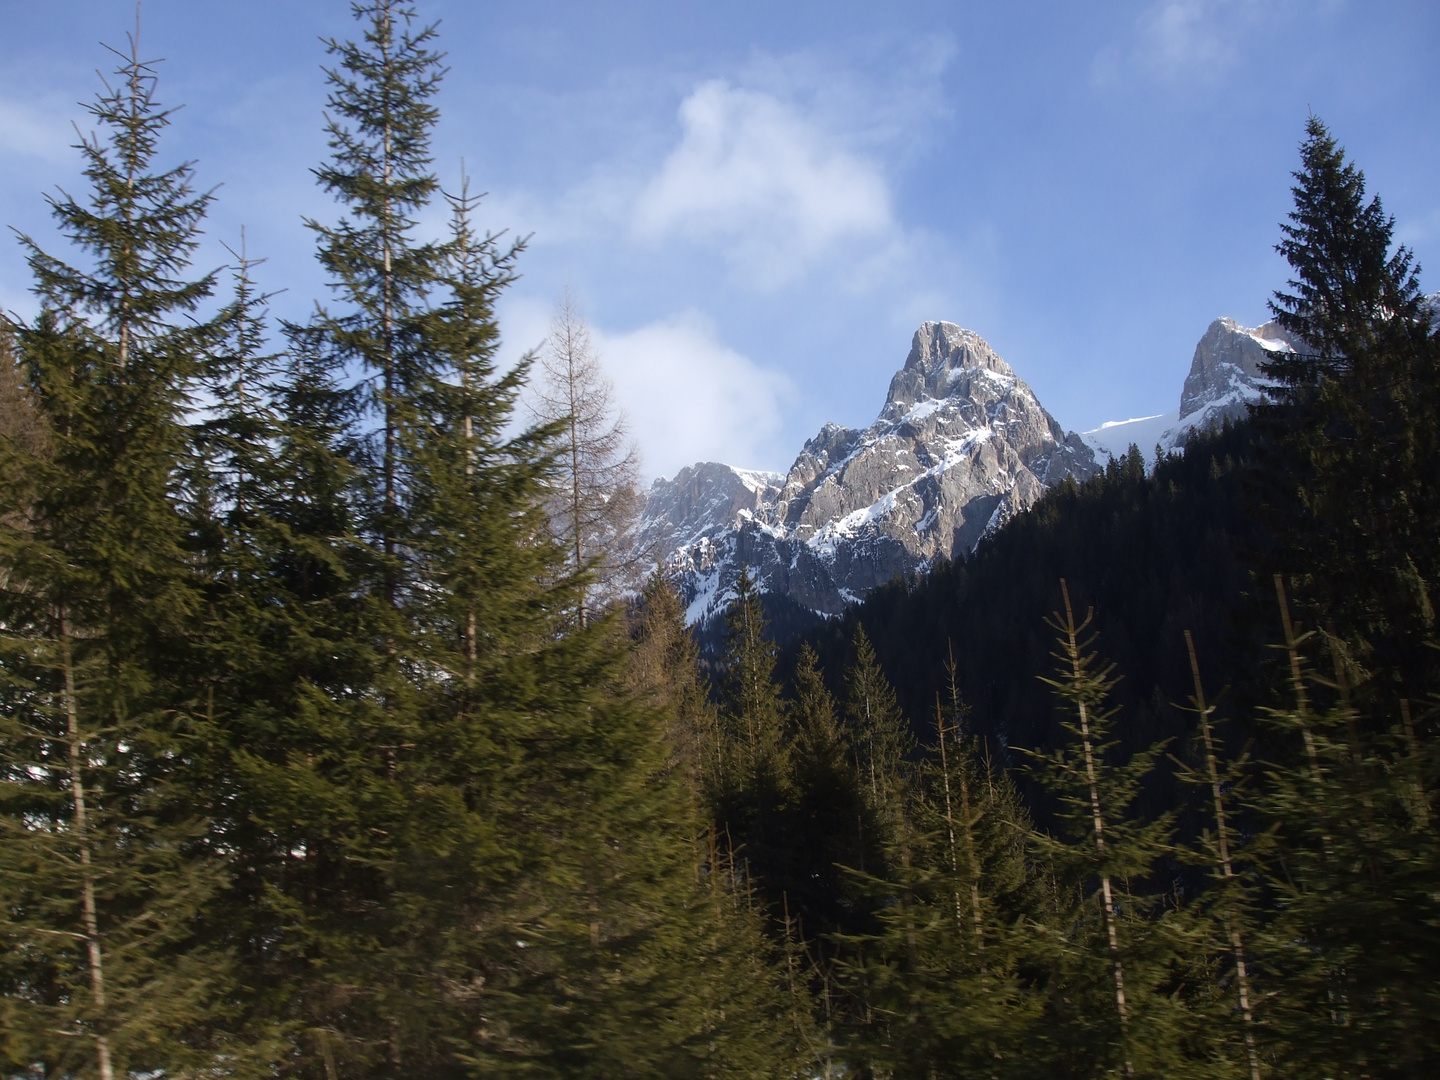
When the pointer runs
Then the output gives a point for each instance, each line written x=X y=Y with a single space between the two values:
x=879 y=733
x=829 y=823
x=1355 y=500
x=1353 y=871
x=1110 y=961
x=1350 y=285
x=752 y=791
x=942 y=980
x=1225 y=920
x=380 y=122
x=107 y=868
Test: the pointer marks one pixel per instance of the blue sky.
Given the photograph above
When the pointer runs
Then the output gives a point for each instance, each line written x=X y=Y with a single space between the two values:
x=756 y=203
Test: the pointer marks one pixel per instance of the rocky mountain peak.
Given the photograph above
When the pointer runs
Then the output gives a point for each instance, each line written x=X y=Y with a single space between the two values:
x=944 y=361
x=1226 y=376
x=1228 y=365
x=960 y=445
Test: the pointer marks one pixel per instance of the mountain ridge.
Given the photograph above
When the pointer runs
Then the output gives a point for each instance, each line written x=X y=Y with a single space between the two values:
x=960 y=445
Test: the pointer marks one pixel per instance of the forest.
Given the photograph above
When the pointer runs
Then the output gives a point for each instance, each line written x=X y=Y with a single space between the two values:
x=340 y=738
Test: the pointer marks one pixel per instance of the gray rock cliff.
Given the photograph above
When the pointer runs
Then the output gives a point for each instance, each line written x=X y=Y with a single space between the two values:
x=960 y=446
x=1225 y=378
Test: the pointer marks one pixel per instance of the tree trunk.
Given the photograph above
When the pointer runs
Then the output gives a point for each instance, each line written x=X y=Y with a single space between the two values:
x=94 y=952
x=1222 y=831
x=1111 y=931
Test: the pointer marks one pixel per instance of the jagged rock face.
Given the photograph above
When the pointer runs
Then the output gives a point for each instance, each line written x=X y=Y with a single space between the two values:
x=1225 y=378
x=1226 y=372
x=703 y=499
x=960 y=446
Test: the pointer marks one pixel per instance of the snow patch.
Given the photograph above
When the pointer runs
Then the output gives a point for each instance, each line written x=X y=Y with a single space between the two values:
x=1112 y=439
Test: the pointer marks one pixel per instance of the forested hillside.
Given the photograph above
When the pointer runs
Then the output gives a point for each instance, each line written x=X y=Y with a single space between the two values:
x=332 y=744
x=1154 y=553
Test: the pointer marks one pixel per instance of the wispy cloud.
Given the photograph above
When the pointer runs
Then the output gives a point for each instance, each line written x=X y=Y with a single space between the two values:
x=690 y=397
x=1190 y=35
x=1185 y=41
x=687 y=396
x=775 y=190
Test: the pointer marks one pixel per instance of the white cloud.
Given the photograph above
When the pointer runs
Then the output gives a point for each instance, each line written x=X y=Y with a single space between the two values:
x=686 y=396
x=689 y=397
x=775 y=189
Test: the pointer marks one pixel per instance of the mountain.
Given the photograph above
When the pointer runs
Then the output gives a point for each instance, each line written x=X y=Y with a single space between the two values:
x=1225 y=376
x=960 y=446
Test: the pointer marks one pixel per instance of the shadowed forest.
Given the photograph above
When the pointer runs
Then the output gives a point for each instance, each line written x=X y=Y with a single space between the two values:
x=334 y=745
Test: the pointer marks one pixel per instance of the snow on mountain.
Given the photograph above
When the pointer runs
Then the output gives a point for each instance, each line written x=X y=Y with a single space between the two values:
x=1225 y=377
x=960 y=446
x=1113 y=438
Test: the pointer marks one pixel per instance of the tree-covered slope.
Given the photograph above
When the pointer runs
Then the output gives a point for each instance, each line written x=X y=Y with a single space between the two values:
x=1154 y=554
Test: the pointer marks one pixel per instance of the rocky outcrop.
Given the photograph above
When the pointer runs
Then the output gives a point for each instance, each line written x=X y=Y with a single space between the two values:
x=959 y=447
x=702 y=500
x=1226 y=372
x=1226 y=377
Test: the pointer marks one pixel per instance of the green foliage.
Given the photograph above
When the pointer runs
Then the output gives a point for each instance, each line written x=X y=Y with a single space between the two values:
x=379 y=123
x=1109 y=954
x=1154 y=555
x=1353 y=871
x=107 y=867
x=307 y=770
x=1349 y=286
x=1355 y=494
x=880 y=734
x=942 y=985
x=753 y=768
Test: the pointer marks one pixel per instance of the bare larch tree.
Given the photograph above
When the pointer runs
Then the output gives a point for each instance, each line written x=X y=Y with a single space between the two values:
x=595 y=498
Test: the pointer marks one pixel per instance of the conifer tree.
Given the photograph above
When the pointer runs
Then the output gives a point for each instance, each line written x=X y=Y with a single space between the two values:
x=828 y=823
x=753 y=776
x=748 y=997
x=943 y=977
x=1354 y=874
x=1227 y=913
x=20 y=424
x=880 y=735
x=1108 y=954
x=595 y=502
x=106 y=868
x=1356 y=459
x=664 y=674
x=1350 y=286
x=379 y=126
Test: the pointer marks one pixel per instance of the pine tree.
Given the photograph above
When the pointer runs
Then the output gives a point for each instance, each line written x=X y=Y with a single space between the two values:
x=107 y=869
x=664 y=674
x=1350 y=285
x=1227 y=914
x=380 y=124
x=880 y=735
x=943 y=977
x=828 y=821
x=751 y=794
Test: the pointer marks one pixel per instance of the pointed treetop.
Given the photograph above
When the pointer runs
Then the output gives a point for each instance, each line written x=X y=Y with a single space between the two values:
x=1347 y=281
